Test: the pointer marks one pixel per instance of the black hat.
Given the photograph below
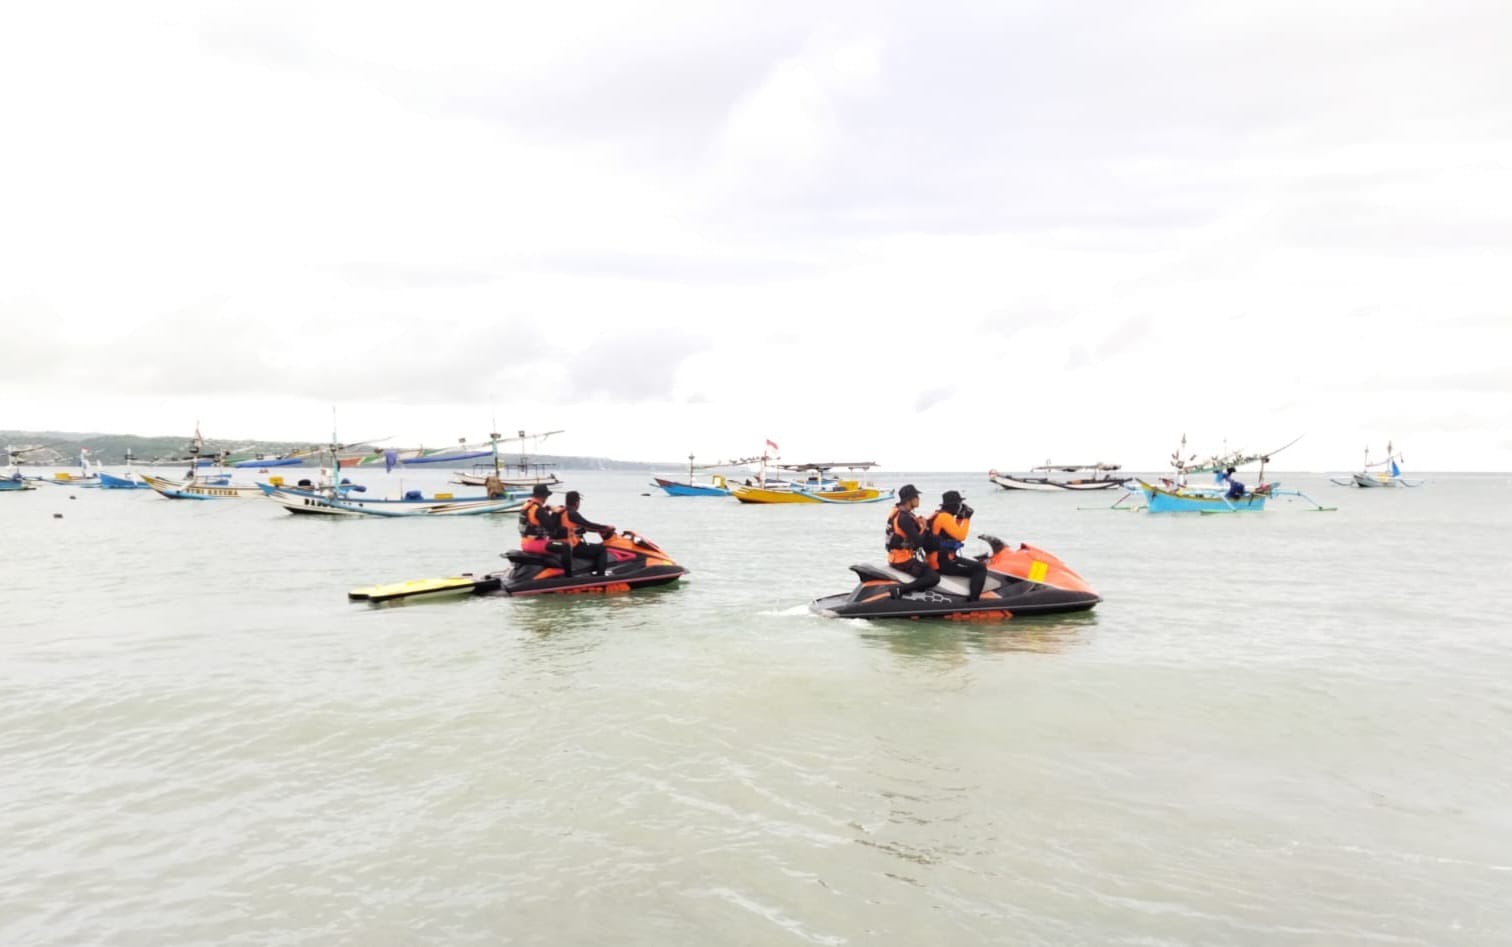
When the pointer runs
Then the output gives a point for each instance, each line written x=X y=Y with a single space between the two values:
x=951 y=498
x=907 y=492
x=573 y=496
x=540 y=490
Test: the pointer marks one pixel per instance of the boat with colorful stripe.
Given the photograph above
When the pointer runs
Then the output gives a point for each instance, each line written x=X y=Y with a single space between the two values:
x=327 y=502
x=197 y=489
x=817 y=486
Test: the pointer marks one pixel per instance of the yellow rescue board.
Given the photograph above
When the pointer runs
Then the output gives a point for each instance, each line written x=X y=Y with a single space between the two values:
x=451 y=585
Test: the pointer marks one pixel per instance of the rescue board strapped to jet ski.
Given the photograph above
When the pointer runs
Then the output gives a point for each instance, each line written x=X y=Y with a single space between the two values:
x=1022 y=581
x=631 y=561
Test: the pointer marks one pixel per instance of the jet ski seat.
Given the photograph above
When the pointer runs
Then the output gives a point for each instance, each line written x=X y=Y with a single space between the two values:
x=531 y=558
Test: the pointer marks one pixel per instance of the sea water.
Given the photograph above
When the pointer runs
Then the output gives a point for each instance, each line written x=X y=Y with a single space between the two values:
x=1290 y=727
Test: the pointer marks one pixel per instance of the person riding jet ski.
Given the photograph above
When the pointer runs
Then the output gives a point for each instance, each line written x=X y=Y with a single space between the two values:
x=1019 y=581
x=906 y=541
x=948 y=527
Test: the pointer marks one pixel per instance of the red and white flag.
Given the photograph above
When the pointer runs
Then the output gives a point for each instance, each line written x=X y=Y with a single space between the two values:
x=772 y=444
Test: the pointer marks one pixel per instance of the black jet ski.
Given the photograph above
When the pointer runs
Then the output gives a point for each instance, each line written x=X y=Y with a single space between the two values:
x=1022 y=581
x=634 y=562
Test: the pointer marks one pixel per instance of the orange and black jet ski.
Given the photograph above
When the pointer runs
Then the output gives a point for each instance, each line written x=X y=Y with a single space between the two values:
x=1023 y=581
x=633 y=562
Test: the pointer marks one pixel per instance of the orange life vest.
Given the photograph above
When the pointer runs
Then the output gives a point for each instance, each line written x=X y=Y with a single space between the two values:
x=949 y=535
x=533 y=524
x=565 y=528
x=899 y=547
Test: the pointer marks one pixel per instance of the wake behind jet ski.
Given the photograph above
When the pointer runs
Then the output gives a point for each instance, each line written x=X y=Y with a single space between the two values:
x=1023 y=581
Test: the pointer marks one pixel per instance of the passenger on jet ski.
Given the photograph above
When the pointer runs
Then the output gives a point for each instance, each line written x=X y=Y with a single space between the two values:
x=571 y=525
x=633 y=562
x=906 y=537
x=948 y=528
x=1020 y=581
x=537 y=523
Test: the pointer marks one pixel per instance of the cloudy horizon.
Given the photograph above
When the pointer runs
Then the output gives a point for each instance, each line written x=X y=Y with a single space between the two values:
x=951 y=238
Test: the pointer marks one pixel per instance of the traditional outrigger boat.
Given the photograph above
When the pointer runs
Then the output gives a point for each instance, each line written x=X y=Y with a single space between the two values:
x=11 y=478
x=815 y=487
x=1389 y=476
x=333 y=497
x=88 y=475
x=529 y=474
x=1224 y=495
x=200 y=489
x=718 y=485
x=334 y=502
x=1098 y=478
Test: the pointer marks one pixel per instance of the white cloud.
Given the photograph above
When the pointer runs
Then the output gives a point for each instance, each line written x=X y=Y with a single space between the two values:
x=944 y=238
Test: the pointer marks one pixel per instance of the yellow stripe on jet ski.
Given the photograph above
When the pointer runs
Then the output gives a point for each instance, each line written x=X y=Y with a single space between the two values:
x=1037 y=570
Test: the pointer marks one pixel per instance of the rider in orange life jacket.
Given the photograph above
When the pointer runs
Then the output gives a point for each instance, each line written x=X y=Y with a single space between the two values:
x=536 y=521
x=571 y=525
x=948 y=527
x=905 y=544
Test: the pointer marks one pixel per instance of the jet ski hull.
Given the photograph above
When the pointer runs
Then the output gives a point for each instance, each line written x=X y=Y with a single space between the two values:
x=1022 y=581
x=633 y=562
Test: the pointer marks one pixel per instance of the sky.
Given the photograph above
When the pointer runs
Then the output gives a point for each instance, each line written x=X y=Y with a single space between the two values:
x=945 y=236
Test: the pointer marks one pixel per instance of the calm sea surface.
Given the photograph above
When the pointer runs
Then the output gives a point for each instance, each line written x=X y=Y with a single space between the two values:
x=1283 y=728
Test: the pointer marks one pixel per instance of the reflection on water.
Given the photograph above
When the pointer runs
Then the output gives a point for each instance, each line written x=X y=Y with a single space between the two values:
x=1050 y=634
x=545 y=616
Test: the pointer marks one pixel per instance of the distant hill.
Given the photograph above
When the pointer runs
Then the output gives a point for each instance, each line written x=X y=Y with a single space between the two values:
x=61 y=448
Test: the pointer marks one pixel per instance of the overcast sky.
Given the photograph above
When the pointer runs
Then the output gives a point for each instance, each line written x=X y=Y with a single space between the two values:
x=944 y=236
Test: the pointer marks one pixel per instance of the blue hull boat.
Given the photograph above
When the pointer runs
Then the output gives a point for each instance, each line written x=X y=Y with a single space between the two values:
x=112 y=482
x=1161 y=500
x=677 y=489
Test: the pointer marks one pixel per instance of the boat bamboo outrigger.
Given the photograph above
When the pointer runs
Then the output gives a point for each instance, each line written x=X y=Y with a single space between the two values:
x=718 y=485
x=528 y=474
x=11 y=478
x=1390 y=474
x=1225 y=495
x=817 y=486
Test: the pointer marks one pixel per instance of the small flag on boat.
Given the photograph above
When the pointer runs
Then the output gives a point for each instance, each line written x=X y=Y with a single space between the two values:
x=772 y=444
x=1395 y=470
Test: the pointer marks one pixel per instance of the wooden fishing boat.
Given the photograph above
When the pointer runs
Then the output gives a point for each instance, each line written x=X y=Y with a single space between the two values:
x=522 y=474
x=1164 y=500
x=87 y=476
x=1388 y=476
x=327 y=502
x=197 y=489
x=1097 y=476
x=817 y=486
x=130 y=480
x=718 y=485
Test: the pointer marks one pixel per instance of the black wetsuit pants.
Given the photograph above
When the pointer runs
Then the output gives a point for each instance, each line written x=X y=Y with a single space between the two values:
x=924 y=576
x=974 y=569
x=594 y=551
